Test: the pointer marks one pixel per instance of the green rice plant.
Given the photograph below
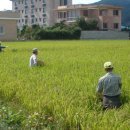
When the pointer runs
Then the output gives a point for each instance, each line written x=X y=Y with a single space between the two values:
x=64 y=89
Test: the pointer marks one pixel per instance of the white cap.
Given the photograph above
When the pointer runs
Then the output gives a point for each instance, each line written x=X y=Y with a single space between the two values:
x=34 y=50
x=108 y=65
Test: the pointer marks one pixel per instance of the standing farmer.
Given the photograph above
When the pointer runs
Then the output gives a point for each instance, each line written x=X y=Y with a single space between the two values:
x=33 y=59
x=1 y=47
x=109 y=88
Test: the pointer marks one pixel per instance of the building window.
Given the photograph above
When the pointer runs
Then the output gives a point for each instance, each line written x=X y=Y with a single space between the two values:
x=44 y=15
x=26 y=11
x=15 y=3
x=33 y=21
x=44 y=10
x=40 y=9
x=16 y=8
x=65 y=14
x=44 y=5
x=44 y=20
x=103 y=12
x=32 y=11
x=19 y=1
x=32 y=6
x=25 y=2
x=85 y=13
x=32 y=1
x=1 y=30
x=116 y=25
x=26 y=21
x=40 y=19
x=105 y=26
x=115 y=12
x=63 y=2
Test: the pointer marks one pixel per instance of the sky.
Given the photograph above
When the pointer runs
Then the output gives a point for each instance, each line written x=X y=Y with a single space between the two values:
x=7 y=4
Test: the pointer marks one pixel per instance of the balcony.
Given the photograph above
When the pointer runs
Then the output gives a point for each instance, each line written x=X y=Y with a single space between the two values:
x=68 y=19
x=62 y=7
x=61 y=19
x=71 y=19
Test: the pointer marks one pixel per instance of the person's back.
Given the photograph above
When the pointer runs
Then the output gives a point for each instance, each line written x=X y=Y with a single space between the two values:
x=111 y=84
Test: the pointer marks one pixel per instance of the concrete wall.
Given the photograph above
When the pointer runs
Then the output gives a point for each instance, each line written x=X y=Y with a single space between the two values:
x=104 y=35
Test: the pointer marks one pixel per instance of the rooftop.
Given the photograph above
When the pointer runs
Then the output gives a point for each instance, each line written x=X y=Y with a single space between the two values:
x=9 y=15
x=86 y=6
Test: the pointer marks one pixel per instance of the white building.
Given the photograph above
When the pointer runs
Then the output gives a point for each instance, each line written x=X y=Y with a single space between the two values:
x=39 y=12
x=49 y=12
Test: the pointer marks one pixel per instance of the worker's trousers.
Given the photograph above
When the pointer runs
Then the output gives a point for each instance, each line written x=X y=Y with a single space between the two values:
x=111 y=102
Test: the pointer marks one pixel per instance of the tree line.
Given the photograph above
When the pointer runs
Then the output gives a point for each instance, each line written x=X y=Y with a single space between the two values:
x=58 y=31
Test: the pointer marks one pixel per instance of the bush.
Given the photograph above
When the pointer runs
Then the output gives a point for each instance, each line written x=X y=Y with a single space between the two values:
x=58 y=34
x=87 y=25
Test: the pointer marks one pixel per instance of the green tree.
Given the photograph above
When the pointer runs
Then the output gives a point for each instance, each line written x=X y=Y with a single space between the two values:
x=82 y=23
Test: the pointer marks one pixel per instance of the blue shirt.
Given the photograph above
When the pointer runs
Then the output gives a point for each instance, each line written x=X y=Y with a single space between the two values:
x=109 y=85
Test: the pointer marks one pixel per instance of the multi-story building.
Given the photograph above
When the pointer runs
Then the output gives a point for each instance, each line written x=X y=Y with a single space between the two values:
x=37 y=11
x=49 y=12
x=108 y=16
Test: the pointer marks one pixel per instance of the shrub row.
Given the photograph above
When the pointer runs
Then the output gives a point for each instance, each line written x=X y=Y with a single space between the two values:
x=57 y=34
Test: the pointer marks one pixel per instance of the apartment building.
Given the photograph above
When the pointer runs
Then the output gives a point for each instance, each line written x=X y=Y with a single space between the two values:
x=8 y=25
x=48 y=12
x=108 y=16
x=37 y=11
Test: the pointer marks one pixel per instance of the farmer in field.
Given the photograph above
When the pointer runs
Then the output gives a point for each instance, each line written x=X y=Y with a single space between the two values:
x=2 y=47
x=109 y=88
x=33 y=59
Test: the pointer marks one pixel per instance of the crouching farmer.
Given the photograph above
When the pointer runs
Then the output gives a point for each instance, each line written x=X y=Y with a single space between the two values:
x=2 y=47
x=109 y=88
x=33 y=59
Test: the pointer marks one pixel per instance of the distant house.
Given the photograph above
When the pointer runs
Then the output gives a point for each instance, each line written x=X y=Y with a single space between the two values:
x=108 y=16
x=8 y=25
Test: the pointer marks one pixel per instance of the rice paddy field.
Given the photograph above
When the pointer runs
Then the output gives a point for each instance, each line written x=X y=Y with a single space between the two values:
x=61 y=94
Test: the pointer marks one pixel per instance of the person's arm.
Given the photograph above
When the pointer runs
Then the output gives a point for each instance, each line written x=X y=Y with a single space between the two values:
x=2 y=47
x=120 y=82
x=99 y=89
x=35 y=61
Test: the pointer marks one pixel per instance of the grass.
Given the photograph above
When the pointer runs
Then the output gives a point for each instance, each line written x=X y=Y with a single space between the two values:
x=64 y=89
